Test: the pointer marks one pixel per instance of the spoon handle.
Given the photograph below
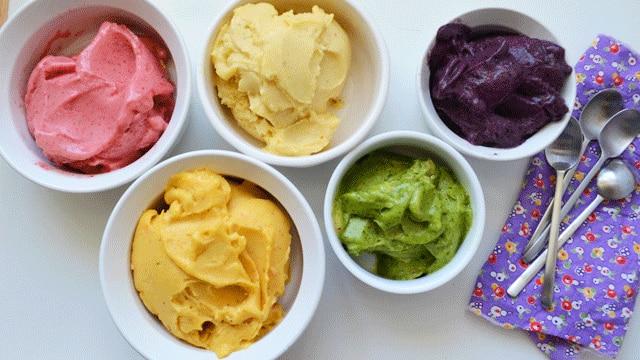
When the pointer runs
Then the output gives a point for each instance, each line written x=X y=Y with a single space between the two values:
x=547 y=213
x=538 y=242
x=539 y=262
x=550 y=265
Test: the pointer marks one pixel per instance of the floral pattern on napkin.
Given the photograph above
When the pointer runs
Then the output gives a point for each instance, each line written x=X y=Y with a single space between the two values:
x=598 y=268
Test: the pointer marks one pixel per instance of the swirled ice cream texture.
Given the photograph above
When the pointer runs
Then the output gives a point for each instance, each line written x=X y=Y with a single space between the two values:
x=282 y=75
x=213 y=265
x=105 y=107
x=498 y=89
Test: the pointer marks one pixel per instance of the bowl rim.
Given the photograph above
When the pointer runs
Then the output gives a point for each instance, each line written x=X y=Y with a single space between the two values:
x=529 y=147
x=134 y=321
x=218 y=121
x=38 y=169
x=464 y=172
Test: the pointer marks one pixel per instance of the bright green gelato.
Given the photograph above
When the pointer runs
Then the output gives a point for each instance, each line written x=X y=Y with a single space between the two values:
x=412 y=214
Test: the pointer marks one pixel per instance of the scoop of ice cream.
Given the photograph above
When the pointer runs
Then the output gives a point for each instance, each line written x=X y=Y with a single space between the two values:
x=213 y=265
x=411 y=214
x=102 y=109
x=498 y=89
x=281 y=74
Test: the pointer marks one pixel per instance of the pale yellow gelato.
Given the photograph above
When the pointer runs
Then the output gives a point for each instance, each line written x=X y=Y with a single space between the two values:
x=213 y=265
x=281 y=74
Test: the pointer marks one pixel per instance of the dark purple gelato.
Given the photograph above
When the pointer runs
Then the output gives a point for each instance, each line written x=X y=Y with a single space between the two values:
x=497 y=89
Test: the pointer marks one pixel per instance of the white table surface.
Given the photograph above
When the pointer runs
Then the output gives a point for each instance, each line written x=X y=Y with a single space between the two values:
x=51 y=305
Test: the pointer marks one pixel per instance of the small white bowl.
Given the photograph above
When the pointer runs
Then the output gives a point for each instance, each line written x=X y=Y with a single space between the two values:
x=501 y=18
x=414 y=144
x=364 y=94
x=34 y=31
x=143 y=330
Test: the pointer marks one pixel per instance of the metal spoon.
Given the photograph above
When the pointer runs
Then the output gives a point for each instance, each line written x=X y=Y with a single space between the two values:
x=615 y=181
x=563 y=154
x=615 y=137
x=595 y=114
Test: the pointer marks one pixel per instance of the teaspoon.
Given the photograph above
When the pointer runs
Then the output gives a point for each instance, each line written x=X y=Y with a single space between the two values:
x=615 y=181
x=595 y=114
x=563 y=154
x=616 y=136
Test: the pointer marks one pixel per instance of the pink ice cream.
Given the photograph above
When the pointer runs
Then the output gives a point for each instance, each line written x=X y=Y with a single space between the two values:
x=104 y=108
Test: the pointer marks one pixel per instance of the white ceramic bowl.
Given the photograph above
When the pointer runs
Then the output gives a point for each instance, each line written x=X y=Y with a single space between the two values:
x=414 y=144
x=364 y=94
x=143 y=331
x=36 y=28
x=519 y=22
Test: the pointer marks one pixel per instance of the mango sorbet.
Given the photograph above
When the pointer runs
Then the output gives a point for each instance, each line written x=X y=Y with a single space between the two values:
x=280 y=75
x=213 y=265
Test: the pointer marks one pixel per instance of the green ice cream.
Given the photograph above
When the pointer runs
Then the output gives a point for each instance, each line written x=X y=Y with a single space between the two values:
x=412 y=214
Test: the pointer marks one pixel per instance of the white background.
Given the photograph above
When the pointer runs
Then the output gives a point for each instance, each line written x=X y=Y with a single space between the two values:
x=51 y=305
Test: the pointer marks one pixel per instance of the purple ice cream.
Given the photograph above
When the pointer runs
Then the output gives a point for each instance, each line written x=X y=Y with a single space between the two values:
x=496 y=89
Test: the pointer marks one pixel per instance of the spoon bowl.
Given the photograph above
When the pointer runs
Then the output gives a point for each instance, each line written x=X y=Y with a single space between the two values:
x=564 y=153
x=619 y=132
x=598 y=110
x=616 y=180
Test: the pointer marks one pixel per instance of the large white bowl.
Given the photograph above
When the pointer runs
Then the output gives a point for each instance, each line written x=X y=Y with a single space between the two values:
x=34 y=31
x=504 y=18
x=364 y=94
x=419 y=145
x=143 y=330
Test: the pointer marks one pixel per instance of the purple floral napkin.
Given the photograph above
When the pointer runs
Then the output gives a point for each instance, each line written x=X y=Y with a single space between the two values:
x=598 y=269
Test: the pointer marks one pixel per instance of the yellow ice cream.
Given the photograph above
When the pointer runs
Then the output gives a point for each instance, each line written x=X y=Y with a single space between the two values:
x=213 y=265
x=281 y=74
